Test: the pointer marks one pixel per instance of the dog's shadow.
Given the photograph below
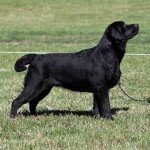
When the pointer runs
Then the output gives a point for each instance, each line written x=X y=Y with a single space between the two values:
x=47 y=112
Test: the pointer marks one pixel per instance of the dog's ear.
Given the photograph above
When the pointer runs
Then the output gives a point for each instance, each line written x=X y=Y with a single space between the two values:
x=114 y=34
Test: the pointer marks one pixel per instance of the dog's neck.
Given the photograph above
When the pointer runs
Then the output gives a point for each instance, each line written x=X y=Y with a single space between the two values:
x=119 y=50
x=118 y=47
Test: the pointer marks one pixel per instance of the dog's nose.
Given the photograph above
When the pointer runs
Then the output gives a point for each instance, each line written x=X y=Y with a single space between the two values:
x=136 y=25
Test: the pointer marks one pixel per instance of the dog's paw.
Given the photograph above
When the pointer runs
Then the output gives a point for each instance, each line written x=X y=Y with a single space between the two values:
x=107 y=116
x=12 y=116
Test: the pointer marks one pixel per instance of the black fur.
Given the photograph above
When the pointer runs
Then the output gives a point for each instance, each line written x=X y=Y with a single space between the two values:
x=94 y=70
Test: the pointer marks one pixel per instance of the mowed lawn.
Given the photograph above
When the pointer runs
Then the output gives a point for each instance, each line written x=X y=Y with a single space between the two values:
x=69 y=26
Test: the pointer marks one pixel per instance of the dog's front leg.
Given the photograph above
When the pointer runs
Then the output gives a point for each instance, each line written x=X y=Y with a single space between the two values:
x=95 y=106
x=101 y=98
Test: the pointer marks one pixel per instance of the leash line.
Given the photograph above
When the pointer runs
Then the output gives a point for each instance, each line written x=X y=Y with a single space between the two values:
x=137 y=100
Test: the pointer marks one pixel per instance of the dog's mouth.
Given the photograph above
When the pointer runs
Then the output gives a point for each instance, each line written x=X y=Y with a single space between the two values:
x=135 y=30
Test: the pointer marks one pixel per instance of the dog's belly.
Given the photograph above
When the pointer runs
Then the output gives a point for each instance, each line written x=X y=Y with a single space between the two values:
x=80 y=87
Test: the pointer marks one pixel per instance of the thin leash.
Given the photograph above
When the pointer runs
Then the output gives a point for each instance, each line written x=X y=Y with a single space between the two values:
x=119 y=85
x=137 y=100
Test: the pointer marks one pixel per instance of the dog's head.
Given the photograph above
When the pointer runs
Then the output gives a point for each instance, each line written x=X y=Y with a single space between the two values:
x=119 y=31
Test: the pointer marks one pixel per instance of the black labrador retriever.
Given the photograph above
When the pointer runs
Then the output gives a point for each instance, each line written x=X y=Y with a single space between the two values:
x=95 y=70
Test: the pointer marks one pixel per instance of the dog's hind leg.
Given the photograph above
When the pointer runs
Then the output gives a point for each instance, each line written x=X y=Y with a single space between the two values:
x=95 y=106
x=102 y=99
x=33 y=103
x=30 y=92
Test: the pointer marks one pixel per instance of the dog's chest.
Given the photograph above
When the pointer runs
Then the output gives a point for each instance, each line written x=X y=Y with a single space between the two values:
x=113 y=73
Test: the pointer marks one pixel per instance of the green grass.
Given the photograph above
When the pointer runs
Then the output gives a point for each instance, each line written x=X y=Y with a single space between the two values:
x=69 y=26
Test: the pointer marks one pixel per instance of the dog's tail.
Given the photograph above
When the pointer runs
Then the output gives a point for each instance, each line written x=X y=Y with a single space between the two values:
x=24 y=60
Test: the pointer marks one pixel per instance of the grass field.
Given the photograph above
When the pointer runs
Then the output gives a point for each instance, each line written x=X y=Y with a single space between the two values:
x=69 y=26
